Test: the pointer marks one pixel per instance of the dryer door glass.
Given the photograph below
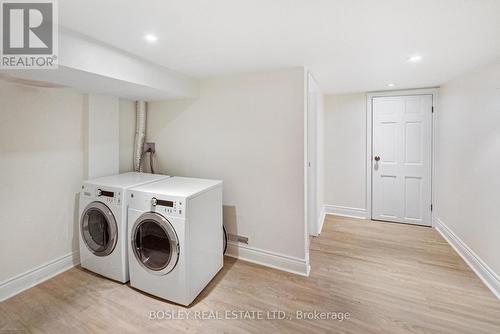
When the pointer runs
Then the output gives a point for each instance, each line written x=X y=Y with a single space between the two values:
x=155 y=243
x=99 y=229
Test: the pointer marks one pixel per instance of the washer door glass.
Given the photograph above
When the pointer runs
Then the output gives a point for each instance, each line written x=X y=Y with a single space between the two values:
x=99 y=229
x=155 y=243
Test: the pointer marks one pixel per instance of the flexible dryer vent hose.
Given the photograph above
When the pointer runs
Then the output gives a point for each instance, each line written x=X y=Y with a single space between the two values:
x=140 y=133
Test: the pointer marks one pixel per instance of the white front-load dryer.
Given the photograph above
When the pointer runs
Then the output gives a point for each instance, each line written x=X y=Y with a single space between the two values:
x=103 y=223
x=175 y=237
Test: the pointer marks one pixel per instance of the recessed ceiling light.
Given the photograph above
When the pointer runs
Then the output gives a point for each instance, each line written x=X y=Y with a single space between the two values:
x=150 y=38
x=390 y=85
x=415 y=59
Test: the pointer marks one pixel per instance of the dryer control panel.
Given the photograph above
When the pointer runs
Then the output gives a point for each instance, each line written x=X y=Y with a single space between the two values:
x=102 y=194
x=107 y=196
x=168 y=207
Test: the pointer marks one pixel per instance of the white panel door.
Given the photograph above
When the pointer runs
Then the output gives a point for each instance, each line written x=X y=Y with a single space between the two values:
x=401 y=159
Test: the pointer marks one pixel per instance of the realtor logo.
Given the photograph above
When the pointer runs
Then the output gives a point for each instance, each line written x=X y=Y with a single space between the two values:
x=29 y=34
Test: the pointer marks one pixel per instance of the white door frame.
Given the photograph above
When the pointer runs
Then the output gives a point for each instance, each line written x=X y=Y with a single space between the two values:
x=369 y=136
x=312 y=157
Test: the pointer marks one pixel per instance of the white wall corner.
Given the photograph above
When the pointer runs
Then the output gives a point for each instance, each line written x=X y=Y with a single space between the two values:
x=38 y=275
x=102 y=135
x=485 y=273
x=345 y=211
x=269 y=259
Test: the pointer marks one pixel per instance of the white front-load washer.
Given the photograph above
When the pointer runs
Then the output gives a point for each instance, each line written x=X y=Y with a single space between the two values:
x=103 y=223
x=175 y=237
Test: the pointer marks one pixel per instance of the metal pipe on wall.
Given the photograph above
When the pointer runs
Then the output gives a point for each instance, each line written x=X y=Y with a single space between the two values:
x=140 y=133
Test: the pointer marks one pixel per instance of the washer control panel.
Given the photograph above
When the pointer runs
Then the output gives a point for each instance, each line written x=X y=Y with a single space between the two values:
x=168 y=207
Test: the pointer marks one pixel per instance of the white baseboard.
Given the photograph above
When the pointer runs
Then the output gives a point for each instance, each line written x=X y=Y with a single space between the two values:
x=37 y=275
x=345 y=211
x=269 y=259
x=485 y=273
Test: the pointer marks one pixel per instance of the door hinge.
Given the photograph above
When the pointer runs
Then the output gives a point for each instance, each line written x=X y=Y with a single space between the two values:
x=431 y=207
x=432 y=109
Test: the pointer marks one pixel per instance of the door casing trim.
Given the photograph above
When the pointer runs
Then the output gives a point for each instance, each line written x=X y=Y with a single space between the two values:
x=369 y=138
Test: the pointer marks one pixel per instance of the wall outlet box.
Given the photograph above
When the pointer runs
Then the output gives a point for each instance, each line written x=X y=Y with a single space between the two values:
x=149 y=147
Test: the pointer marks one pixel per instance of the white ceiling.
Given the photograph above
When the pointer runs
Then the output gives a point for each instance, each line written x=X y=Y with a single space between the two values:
x=349 y=45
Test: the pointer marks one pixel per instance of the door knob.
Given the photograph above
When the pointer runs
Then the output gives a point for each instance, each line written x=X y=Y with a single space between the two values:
x=377 y=158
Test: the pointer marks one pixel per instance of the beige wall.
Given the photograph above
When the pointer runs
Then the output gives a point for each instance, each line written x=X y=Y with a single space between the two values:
x=41 y=154
x=247 y=130
x=345 y=151
x=467 y=182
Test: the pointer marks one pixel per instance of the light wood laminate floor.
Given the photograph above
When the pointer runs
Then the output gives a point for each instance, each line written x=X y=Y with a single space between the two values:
x=391 y=278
